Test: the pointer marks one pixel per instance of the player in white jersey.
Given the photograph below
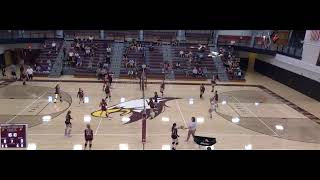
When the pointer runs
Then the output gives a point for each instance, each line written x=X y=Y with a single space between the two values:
x=213 y=107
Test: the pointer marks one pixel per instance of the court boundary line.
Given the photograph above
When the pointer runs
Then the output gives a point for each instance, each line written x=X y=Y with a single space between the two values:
x=27 y=107
x=181 y=114
x=257 y=117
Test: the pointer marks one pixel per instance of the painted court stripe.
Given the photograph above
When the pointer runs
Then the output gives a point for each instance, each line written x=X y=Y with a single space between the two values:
x=256 y=116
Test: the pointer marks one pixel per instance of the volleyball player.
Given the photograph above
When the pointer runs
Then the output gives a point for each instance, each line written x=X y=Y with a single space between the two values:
x=213 y=106
x=216 y=98
x=103 y=105
x=162 y=86
x=88 y=136
x=80 y=95
x=67 y=131
x=156 y=102
x=152 y=107
x=202 y=89
x=57 y=93
x=108 y=92
x=213 y=82
x=175 y=136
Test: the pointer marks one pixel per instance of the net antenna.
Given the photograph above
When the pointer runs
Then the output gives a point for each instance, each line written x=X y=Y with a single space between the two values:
x=144 y=113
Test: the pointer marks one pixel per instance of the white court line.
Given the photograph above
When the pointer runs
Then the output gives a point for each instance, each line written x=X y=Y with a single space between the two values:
x=185 y=124
x=98 y=126
x=27 y=107
x=256 y=117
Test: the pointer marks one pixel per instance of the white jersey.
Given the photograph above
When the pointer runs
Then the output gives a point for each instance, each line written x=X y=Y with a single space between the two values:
x=213 y=105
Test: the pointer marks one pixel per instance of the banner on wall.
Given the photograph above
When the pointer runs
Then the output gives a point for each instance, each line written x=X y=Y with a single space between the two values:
x=315 y=35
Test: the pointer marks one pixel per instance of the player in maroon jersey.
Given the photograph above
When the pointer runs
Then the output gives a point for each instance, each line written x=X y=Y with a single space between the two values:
x=103 y=105
x=162 y=86
x=67 y=131
x=108 y=92
x=216 y=97
x=213 y=82
x=88 y=137
x=80 y=95
x=202 y=89
x=57 y=93
x=24 y=77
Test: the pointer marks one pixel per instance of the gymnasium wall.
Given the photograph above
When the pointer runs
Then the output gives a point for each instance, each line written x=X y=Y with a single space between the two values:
x=296 y=81
x=297 y=66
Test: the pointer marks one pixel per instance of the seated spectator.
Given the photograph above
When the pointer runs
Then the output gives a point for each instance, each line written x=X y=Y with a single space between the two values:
x=71 y=54
x=105 y=65
x=87 y=50
x=125 y=61
x=194 y=72
x=200 y=72
x=181 y=53
x=202 y=48
x=90 y=38
x=178 y=66
x=189 y=54
x=205 y=71
x=53 y=45
x=151 y=48
x=79 y=62
x=131 y=63
x=108 y=50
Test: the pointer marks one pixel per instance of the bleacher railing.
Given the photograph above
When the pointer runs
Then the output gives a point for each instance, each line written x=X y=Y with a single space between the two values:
x=294 y=52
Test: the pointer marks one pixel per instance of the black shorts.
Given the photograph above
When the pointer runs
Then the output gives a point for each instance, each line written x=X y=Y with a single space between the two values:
x=68 y=124
x=13 y=73
x=174 y=136
x=88 y=138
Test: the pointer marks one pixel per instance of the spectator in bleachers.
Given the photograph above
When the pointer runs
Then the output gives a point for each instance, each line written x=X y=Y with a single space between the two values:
x=181 y=53
x=178 y=65
x=54 y=45
x=108 y=50
x=131 y=63
x=205 y=71
x=151 y=48
x=38 y=68
x=200 y=72
x=125 y=60
x=79 y=62
x=87 y=50
x=90 y=39
x=194 y=72
x=189 y=54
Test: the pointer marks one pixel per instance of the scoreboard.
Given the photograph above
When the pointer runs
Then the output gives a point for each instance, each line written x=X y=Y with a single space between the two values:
x=13 y=135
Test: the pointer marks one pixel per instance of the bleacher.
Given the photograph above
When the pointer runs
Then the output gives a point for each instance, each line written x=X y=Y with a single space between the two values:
x=155 y=63
x=165 y=36
x=100 y=54
x=198 y=36
x=44 y=56
x=205 y=62
x=137 y=56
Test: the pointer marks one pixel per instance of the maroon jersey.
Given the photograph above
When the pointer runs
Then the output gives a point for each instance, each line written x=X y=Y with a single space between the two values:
x=216 y=97
x=80 y=94
x=107 y=90
x=162 y=86
x=202 y=89
x=103 y=106
x=88 y=134
x=57 y=90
